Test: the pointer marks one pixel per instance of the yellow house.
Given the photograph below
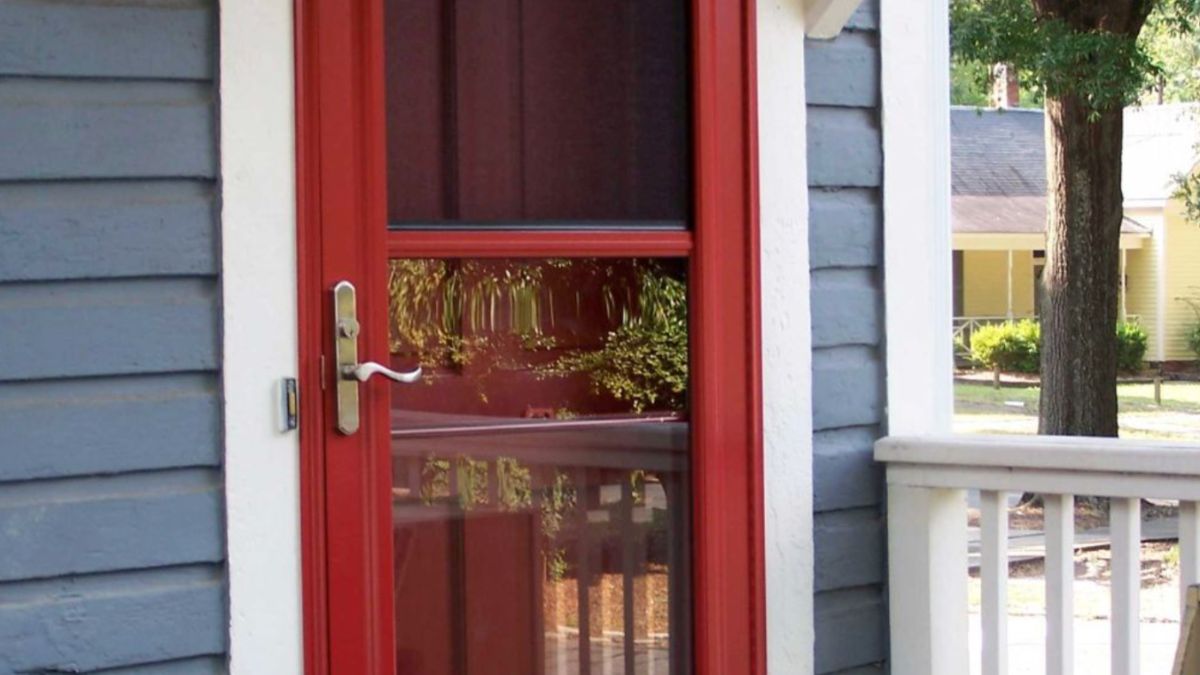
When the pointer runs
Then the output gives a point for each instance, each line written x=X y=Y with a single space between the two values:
x=999 y=215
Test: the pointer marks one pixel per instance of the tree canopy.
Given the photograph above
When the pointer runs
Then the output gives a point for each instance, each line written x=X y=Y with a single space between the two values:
x=1057 y=53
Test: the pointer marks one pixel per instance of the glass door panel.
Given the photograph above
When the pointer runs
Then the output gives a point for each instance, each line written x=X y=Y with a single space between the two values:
x=540 y=475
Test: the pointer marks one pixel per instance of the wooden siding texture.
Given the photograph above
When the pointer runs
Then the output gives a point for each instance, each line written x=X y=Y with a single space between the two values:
x=845 y=165
x=111 y=516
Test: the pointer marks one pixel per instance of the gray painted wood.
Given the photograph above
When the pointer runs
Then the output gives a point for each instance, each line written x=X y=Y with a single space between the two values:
x=850 y=548
x=201 y=665
x=83 y=624
x=844 y=228
x=866 y=17
x=168 y=39
x=107 y=229
x=848 y=386
x=88 y=525
x=848 y=70
x=105 y=129
x=851 y=629
x=111 y=513
x=872 y=669
x=846 y=307
x=106 y=425
x=845 y=474
x=844 y=147
x=76 y=329
x=846 y=250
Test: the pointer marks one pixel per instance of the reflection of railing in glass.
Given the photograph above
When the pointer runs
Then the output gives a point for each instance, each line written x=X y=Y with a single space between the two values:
x=603 y=539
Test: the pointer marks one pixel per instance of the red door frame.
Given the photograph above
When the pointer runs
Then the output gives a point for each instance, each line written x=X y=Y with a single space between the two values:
x=341 y=210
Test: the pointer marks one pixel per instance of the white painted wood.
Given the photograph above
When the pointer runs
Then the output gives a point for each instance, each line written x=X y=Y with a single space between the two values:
x=826 y=18
x=1189 y=549
x=1126 y=528
x=1160 y=289
x=258 y=264
x=927 y=589
x=1127 y=471
x=1059 y=526
x=1071 y=453
x=786 y=337
x=1039 y=481
x=915 y=67
x=993 y=573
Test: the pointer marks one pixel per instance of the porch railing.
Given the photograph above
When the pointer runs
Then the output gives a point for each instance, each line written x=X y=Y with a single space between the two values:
x=927 y=479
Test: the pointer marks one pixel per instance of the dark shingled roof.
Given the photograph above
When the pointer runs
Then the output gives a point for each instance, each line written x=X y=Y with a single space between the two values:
x=997 y=152
x=998 y=172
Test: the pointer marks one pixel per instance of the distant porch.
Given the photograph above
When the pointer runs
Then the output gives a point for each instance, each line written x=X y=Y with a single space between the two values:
x=997 y=274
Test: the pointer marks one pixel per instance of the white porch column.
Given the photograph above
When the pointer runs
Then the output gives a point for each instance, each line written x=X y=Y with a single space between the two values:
x=927 y=560
x=1010 y=313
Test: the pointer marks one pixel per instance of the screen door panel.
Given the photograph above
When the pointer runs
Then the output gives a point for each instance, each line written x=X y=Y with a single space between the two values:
x=537 y=113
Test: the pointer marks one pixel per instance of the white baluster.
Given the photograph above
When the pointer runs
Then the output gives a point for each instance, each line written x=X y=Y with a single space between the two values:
x=1059 y=526
x=1126 y=528
x=993 y=575
x=1189 y=550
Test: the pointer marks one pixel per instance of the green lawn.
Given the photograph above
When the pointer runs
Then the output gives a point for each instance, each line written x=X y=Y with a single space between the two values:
x=979 y=408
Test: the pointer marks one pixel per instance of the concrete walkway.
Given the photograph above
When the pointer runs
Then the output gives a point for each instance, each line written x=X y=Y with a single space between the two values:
x=1027 y=645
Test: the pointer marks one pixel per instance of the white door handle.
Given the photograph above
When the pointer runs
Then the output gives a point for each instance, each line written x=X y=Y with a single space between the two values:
x=363 y=372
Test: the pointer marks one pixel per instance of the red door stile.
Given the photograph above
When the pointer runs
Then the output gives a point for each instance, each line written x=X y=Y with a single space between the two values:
x=345 y=480
x=730 y=617
x=342 y=164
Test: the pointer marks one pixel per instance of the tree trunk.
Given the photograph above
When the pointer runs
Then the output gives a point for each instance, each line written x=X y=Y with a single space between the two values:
x=1081 y=280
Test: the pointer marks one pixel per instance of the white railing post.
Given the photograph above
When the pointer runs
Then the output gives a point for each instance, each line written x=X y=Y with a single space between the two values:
x=1125 y=524
x=993 y=577
x=927 y=556
x=1059 y=525
x=1189 y=551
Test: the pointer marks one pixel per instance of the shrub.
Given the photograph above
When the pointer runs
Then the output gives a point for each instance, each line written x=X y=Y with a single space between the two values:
x=1193 y=340
x=1017 y=347
x=1008 y=346
x=1131 y=347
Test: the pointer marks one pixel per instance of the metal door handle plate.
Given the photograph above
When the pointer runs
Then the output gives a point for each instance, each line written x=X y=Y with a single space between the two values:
x=350 y=372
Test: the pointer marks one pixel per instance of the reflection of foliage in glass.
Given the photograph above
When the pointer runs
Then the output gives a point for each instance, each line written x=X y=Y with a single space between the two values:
x=443 y=310
x=645 y=360
x=471 y=482
x=514 y=492
x=558 y=500
x=484 y=313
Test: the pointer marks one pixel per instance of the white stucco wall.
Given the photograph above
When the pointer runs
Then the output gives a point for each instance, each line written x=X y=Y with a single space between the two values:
x=786 y=337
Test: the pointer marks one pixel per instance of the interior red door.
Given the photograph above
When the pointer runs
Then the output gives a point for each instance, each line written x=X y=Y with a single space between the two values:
x=547 y=206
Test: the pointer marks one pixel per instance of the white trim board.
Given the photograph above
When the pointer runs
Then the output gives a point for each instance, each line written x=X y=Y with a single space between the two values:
x=826 y=18
x=260 y=341
x=786 y=338
x=915 y=63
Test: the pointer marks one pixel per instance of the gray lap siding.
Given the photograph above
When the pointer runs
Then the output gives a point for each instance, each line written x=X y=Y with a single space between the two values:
x=845 y=165
x=111 y=517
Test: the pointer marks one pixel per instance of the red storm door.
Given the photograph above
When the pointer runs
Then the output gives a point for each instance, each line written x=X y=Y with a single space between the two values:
x=529 y=370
